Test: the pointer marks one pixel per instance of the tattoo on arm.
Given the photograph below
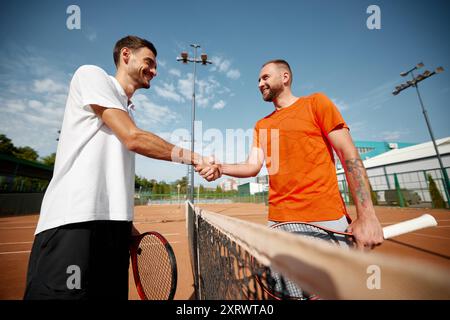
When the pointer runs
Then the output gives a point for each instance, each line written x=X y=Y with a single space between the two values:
x=356 y=174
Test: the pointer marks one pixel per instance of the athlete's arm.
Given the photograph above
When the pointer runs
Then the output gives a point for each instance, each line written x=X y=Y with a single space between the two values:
x=366 y=228
x=249 y=168
x=143 y=142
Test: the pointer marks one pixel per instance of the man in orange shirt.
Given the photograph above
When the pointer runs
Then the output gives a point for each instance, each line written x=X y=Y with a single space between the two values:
x=296 y=141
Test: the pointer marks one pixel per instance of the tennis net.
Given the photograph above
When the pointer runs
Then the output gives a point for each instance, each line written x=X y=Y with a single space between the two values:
x=233 y=259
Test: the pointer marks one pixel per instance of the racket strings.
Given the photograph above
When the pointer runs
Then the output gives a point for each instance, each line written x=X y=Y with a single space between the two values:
x=154 y=268
x=284 y=288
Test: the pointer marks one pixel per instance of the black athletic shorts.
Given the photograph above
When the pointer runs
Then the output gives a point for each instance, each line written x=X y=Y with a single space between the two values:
x=87 y=260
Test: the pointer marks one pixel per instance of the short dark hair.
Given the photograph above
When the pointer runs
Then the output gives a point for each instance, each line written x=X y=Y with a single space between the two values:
x=280 y=62
x=133 y=43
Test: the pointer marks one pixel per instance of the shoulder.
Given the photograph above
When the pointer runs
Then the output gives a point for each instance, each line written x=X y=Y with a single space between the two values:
x=90 y=70
x=260 y=123
x=319 y=97
x=320 y=103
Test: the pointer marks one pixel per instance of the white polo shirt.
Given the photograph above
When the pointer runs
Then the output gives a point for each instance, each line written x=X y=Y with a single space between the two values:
x=93 y=178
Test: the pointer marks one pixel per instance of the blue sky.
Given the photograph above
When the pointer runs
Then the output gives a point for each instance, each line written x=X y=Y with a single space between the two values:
x=327 y=43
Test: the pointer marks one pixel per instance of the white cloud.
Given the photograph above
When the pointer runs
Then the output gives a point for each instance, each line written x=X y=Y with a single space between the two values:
x=42 y=119
x=219 y=105
x=185 y=86
x=48 y=85
x=13 y=106
x=206 y=89
x=175 y=72
x=342 y=106
x=392 y=135
x=233 y=74
x=91 y=36
x=168 y=92
x=152 y=115
x=162 y=63
x=222 y=65
x=37 y=105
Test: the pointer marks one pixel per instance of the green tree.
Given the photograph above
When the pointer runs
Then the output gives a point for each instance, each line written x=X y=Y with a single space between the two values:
x=165 y=188
x=219 y=189
x=26 y=153
x=6 y=145
x=183 y=182
x=436 y=197
x=142 y=183
x=49 y=160
x=155 y=189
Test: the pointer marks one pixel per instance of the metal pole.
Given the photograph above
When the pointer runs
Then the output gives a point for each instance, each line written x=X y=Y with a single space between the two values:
x=425 y=114
x=195 y=46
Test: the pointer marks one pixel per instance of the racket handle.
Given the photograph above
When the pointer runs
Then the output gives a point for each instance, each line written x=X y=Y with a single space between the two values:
x=424 y=221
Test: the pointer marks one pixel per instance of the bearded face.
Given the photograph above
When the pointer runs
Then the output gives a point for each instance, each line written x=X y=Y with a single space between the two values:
x=270 y=82
x=142 y=67
x=271 y=91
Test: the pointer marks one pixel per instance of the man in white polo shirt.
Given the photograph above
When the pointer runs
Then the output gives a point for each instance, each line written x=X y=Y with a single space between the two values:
x=82 y=237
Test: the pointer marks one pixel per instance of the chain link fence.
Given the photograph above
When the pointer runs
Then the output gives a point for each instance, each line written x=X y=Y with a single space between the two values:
x=413 y=186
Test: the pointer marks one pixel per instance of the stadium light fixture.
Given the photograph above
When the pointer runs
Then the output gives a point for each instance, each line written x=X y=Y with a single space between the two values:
x=415 y=83
x=439 y=70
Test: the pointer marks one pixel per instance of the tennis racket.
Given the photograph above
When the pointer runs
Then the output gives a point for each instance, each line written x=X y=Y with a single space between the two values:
x=154 y=266
x=279 y=287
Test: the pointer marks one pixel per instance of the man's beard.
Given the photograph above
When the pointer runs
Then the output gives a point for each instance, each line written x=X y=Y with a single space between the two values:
x=273 y=93
x=140 y=79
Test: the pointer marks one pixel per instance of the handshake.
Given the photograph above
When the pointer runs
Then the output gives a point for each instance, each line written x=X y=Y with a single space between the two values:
x=208 y=169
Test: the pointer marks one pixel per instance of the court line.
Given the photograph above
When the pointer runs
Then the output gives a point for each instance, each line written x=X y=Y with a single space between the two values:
x=10 y=228
x=420 y=249
x=14 y=252
x=429 y=236
x=8 y=243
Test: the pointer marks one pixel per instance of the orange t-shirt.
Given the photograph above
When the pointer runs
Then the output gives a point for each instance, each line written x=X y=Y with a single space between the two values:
x=302 y=174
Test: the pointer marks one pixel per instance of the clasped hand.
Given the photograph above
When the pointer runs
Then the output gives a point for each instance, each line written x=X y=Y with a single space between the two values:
x=209 y=170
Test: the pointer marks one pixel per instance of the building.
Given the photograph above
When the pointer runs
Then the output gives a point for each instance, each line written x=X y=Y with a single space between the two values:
x=262 y=179
x=250 y=188
x=411 y=165
x=370 y=149
x=229 y=184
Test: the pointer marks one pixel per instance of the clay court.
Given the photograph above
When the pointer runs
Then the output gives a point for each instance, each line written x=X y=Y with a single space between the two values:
x=430 y=245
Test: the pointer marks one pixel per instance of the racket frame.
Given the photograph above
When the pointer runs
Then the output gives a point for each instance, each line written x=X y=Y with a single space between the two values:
x=136 y=240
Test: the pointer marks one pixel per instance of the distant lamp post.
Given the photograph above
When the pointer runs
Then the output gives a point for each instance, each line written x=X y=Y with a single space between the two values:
x=204 y=61
x=178 y=187
x=414 y=82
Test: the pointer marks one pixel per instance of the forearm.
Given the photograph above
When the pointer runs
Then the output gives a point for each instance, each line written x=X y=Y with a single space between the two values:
x=240 y=170
x=358 y=182
x=140 y=141
x=152 y=146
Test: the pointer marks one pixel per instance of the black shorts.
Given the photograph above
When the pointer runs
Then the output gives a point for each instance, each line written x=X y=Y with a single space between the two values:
x=87 y=260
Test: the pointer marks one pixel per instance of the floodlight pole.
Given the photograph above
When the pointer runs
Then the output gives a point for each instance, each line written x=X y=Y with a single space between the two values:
x=184 y=58
x=195 y=46
x=415 y=83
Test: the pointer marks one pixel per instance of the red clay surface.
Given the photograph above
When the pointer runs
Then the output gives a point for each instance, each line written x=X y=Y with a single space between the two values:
x=431 y=245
